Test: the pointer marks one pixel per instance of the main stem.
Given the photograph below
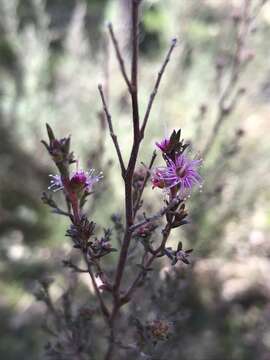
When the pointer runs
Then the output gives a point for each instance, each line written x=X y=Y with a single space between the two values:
x=130 y=209
x=134 y=151
x=128 y=176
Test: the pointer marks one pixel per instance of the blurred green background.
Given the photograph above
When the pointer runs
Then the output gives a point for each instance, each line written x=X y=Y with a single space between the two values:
x=53 y=54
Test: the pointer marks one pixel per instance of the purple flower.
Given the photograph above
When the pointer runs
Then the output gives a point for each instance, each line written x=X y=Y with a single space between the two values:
x=79 y=180
x=163 y=145
x=181 y=174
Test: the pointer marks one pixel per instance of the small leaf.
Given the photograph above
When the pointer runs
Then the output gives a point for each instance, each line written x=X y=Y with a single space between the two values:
x=45 y=144
x=50 y=132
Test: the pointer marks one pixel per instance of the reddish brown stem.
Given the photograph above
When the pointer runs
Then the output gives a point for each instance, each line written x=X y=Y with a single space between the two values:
x=113 y=136
x=134 y=151
x=76 y=219
x=130 y=210
x=134 y=71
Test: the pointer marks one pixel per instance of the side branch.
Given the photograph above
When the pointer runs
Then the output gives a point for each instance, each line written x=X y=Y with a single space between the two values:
x=119 y=56
x=155 y=90
x=103 y=307
x=147 y=175
x=176 y=201
x=166 y=232
x=113 y=136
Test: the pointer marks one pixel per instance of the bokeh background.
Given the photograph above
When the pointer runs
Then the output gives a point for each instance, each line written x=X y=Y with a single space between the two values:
x=53 y=54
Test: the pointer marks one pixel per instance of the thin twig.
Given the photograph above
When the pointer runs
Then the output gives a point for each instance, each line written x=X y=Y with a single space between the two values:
x=59 y=211
x=76 y=268
x=103 y=307
x=176 y=201
x=119 y=56
x=166 y=232
x=147 y=176
x=113 y=136
x=156 y=86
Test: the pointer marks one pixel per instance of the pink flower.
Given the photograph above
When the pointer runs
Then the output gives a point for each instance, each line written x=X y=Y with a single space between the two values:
x=79 y=180
x=181 y=174
x=163 y=145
